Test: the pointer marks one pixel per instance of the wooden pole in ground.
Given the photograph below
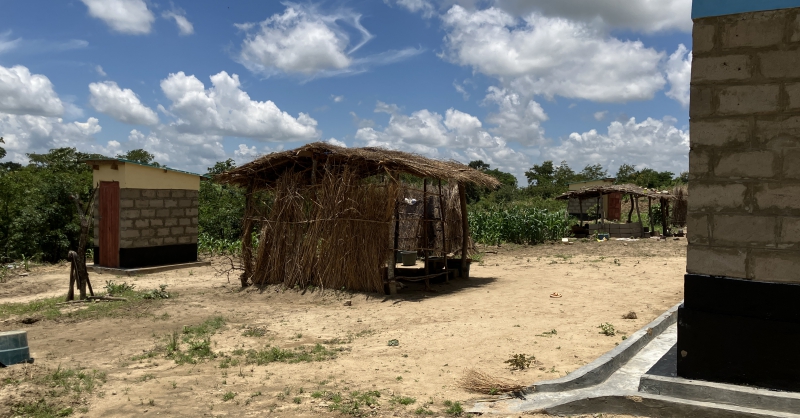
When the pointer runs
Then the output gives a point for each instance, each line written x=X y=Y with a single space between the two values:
x=247 y=237
x=78 y=271
x=444 y=231
x=650 y=213
x=425 y=224
x=630 y=212
x=392 y=262
x=639 y=214
x=462 y=194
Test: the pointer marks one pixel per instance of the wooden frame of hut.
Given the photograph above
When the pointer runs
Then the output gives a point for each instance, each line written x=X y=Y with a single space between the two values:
x=594 y=194
x=334 y=217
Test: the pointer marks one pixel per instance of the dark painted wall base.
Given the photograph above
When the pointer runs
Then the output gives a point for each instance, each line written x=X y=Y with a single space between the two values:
x=740 y=331
x=153 y=256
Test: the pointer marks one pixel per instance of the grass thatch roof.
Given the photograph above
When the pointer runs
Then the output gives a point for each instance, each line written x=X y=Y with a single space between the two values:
x=632 y=189
x=367 y=162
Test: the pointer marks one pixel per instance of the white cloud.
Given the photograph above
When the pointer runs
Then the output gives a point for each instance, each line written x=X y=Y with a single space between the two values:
x=305 y=41
x=99 y=70
x=414 y=6
x=456 y=135
x=460 y=88
x=192 y=152
x=32 y=133
x=517 y=119
x=225 y=109
x=337 y=99
x=185 y=27
x=652 y=143
x=646 y=16
x=301 y=40
x=598 y=116
x=334 y=141
x=23 y=93
x=679 y=74
x=552 y=56
x=131 y=17
x=123 y=105
x=6 y=43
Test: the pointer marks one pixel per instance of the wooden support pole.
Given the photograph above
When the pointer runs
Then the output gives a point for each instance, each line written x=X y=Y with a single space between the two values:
x=664 y=216
x=650 y=213
x=247 y=237
x=444 y=230
x=462 y=194
x=639 y=214
x=392 y=262
x=425 y=224
x=630 y=212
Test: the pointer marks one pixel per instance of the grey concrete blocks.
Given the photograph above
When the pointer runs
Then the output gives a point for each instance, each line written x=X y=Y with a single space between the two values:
x=152 y=217
x=753 y=30
x=744 y=164
x=730 y=67
x=747 y=100
x=716 y=261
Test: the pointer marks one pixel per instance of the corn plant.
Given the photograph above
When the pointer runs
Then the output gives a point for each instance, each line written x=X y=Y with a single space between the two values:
x=517 y=224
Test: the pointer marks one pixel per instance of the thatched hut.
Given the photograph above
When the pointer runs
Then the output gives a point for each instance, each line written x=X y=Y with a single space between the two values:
x=335 y=217
x=593 y=195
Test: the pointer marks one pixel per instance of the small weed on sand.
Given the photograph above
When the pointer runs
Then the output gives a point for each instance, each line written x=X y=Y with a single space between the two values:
x=520 y=361
x=607 y=329
x=453 y=408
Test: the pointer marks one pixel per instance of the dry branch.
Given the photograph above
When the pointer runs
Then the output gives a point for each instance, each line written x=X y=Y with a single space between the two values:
x=480 y=382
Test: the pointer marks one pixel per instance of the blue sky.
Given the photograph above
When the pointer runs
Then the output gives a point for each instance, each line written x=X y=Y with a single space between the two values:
x=512 y=82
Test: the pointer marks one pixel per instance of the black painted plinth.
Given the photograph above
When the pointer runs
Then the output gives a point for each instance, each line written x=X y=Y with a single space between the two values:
x=740 y=332
x=153 y=256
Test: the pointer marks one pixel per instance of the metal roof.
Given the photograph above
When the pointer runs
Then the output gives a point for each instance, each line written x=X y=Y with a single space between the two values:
x=124 y=161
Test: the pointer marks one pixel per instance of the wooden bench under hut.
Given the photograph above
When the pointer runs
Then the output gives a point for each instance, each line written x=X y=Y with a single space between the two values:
x=336 y=217
x=592 y=196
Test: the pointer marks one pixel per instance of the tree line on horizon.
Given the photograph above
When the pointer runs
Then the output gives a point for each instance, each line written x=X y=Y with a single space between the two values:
x=38 y=219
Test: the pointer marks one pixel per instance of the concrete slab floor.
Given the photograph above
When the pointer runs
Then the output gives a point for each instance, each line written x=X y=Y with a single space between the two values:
x=622 y=382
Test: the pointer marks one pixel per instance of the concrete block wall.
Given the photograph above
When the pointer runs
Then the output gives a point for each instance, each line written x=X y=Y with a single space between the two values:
x=151 y=218
x=744 y=210
x=623 y=230
x=589 y=205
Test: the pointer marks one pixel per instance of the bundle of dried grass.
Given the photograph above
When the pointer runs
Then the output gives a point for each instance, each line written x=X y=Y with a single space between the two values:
x=480 y=382
x=334 y=234
x=680 y=206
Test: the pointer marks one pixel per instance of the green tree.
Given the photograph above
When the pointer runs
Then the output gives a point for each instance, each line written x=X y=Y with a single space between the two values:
x=221 y=206
x=139 y=156
x=37 y=214
x=593 y=172
x=2 y=150
x=546 y=180
x=506 y=192
x=626 y=174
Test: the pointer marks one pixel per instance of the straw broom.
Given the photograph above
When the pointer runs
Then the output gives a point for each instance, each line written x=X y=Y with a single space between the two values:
x=480 y=382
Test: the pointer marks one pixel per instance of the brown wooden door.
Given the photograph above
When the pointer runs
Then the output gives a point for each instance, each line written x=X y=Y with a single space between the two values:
x=109 y=223
x=614 y=206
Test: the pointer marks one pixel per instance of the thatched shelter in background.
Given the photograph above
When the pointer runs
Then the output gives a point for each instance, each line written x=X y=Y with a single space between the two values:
x=593 y=194
x=334 y=217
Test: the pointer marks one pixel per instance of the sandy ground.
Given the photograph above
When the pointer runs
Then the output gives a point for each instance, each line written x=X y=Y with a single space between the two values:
x=503 y=309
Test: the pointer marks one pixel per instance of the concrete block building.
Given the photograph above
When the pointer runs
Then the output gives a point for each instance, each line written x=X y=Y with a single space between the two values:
x=144 y=215
x=740 y=322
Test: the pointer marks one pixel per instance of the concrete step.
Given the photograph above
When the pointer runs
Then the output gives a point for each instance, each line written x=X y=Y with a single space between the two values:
x=662 y=379
x=657 y=406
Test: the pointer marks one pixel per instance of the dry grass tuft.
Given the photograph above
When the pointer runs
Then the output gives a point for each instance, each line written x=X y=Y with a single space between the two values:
x=480 y=382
